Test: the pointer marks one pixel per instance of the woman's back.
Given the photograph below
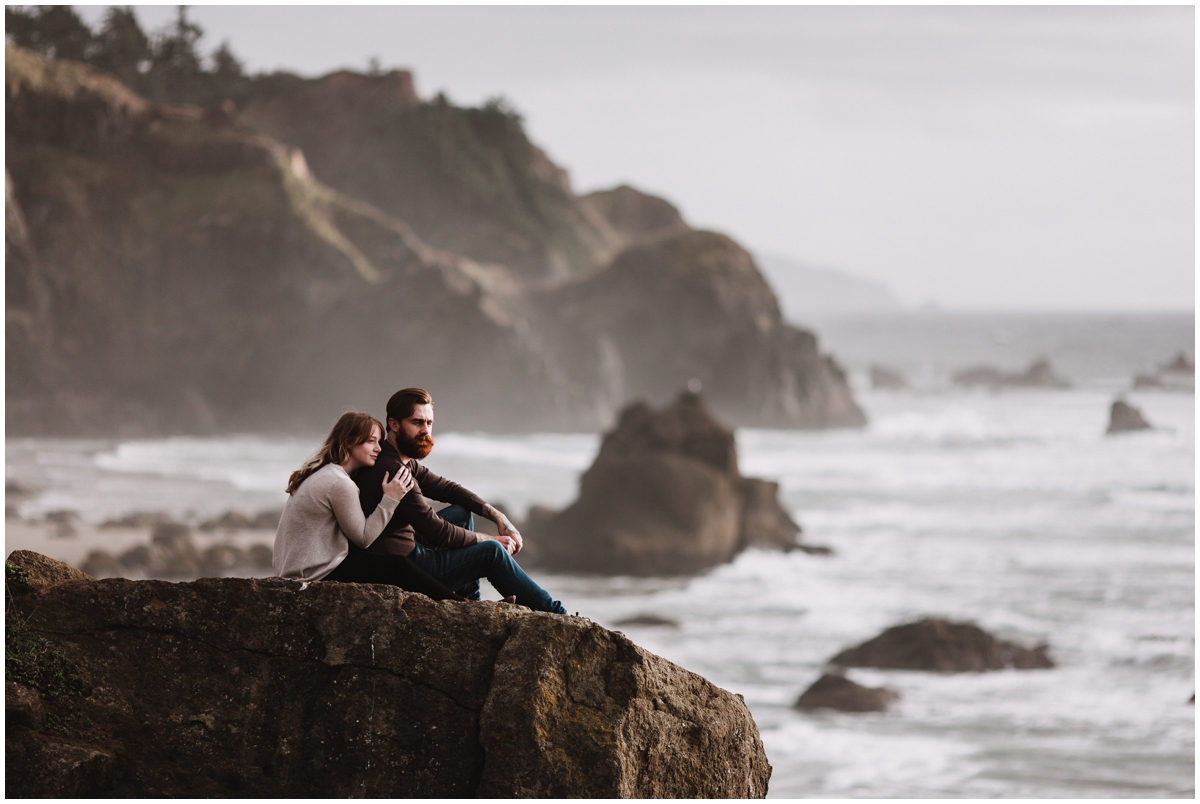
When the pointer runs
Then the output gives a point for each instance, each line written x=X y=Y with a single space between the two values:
x=319 y=521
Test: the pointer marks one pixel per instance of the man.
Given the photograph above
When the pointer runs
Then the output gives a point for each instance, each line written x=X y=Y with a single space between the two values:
x=443 y=544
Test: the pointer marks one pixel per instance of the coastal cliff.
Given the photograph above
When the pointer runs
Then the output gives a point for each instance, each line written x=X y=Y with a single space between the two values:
x=268 y=688
x=174 y=269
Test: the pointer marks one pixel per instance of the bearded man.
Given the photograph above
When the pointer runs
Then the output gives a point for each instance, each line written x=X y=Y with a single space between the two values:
x=443 y=543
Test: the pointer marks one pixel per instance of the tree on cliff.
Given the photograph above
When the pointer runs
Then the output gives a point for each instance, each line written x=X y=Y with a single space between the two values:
x=122 y=48
x=166 y=66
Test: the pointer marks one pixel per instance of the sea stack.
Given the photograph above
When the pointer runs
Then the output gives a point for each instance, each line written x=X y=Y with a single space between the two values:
x=1125 y=418
x=663 y=497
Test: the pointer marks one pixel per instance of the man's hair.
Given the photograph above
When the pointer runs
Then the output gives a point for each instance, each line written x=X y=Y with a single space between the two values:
x=401 y=405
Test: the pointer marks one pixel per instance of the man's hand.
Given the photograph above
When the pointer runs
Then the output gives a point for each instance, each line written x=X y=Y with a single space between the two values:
x=505 y=527
x=510 y=545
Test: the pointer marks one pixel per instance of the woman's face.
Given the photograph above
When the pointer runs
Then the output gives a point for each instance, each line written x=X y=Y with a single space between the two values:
x=365 y=453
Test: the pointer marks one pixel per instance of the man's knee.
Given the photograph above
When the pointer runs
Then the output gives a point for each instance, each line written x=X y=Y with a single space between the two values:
x=492 y=549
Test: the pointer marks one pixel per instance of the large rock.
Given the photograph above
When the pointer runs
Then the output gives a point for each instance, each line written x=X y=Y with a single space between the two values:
x=270 y=688
x=1125 y=418
x=663 y=497
x=832 y=691
x=942 y=646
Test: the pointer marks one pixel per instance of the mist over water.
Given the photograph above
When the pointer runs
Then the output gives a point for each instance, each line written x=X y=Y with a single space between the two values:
x=1011 y=509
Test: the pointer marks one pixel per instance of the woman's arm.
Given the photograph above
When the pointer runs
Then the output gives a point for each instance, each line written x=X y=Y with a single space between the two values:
x=360 y=529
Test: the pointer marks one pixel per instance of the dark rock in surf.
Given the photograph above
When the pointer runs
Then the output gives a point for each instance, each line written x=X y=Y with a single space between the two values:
x=942 y=646
x=883 y=378
x=1182 y=364
x=1125 y=418
x=267 y=689
x=663 y=497
x=840 y=693
x=1039 y=375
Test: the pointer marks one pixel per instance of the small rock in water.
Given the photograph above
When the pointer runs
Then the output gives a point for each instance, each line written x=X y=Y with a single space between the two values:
x=137 y=519
x=887 y=379
x=942 y=646
x=64 y=524
x=840 y=693
x=1124 y=418
x=102 y=564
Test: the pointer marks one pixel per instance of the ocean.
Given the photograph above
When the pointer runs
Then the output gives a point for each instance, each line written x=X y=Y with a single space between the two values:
x=1011 y=509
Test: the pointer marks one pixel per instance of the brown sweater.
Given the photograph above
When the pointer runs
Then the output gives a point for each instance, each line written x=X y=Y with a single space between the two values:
x=413 y=513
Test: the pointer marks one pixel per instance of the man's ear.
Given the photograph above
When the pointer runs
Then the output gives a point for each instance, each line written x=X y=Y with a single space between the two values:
x=393 y=426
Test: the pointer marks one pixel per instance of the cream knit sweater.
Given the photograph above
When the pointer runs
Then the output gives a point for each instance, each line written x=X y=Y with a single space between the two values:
x=320 y=520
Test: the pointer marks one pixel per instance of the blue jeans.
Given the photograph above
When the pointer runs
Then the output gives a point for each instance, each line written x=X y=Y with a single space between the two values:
x=460 y=568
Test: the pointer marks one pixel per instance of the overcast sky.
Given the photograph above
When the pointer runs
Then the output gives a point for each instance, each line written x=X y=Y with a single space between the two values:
x=981 y=158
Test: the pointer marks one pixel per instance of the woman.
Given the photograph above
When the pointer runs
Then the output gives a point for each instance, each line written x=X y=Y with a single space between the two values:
x=323 y=533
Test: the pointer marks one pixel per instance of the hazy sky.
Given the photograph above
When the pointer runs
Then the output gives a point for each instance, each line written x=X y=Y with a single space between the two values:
x=983 y=158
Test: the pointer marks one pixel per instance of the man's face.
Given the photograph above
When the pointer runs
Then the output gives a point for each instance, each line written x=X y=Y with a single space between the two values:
x=414 y=435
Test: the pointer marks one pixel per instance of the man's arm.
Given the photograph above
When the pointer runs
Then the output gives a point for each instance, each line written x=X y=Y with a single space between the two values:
x=504 y=526
x=436 y=487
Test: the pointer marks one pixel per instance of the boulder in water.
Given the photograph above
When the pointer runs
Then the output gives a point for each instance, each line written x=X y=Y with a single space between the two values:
x=1124 y=418
x=942 y=646
x=832 y=691
x=663 y=497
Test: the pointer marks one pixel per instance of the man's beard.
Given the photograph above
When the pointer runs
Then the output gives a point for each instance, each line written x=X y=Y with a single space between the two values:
x=417 y=447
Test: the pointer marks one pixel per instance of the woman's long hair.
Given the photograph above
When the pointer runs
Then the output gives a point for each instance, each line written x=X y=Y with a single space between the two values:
x=352 y=429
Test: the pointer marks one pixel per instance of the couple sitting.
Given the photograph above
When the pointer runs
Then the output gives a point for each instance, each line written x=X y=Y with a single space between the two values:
x=356 y=513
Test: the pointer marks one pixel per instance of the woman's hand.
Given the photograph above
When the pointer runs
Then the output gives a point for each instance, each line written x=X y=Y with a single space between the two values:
x=399 y=485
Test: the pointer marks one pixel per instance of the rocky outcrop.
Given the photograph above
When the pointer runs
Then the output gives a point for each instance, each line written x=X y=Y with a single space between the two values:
x=1039 y=375
x=636 y=216
x=942 y=646
x=839 y=693
x=270 y=688
x=172 y=270
x=663 y=497
x=693 y=310
x=1125 y=418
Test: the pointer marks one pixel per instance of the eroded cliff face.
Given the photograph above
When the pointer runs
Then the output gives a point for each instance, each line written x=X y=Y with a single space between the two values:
x=687 y=307
x=466 y=180
x=266 y=688
x=177 y=270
